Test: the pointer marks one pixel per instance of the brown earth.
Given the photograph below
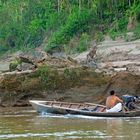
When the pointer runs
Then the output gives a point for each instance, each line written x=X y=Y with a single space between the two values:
x=66 y=79
x=68 y=84
x=71 y=84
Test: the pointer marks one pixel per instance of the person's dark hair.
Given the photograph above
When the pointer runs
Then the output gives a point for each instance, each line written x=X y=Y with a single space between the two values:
x=112 y=92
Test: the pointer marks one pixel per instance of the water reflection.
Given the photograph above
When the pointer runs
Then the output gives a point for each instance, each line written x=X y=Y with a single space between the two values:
x=114 y=129
x=123 y=129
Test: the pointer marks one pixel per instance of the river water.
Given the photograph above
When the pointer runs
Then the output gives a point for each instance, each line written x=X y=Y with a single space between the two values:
x=26 y=124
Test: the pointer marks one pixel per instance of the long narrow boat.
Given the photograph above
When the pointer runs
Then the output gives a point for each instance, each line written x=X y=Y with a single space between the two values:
x=88 y=109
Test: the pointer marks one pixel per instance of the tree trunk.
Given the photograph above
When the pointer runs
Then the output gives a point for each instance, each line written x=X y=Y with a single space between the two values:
x=80 y=3
x=58 y=6
x=129 y=1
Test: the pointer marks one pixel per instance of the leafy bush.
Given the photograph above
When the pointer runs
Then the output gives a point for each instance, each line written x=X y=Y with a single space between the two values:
x=43 y=72
x=3 y=49
x=99 y=36
x=76 y=23
x=119 y=27
x=83 y=43
x=136 y=32
x=13 y=65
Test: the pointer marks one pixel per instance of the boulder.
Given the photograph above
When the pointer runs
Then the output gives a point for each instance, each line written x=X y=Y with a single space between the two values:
x=4 y=66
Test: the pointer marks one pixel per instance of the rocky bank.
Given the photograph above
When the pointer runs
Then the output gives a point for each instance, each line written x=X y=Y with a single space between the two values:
x=114 y=65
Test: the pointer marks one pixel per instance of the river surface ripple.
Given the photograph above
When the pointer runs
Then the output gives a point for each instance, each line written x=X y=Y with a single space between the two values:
x=26 y=124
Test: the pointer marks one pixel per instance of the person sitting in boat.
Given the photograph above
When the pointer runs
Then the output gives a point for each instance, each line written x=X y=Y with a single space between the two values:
x=113 y=103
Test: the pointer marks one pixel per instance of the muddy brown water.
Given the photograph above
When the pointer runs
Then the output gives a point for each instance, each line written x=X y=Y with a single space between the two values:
x=26 y=124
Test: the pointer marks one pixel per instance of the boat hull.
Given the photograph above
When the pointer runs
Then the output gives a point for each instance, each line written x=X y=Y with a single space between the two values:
x=40 y=107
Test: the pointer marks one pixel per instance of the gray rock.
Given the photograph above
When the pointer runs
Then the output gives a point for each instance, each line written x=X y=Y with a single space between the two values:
x=25 y=66
x=4 y=66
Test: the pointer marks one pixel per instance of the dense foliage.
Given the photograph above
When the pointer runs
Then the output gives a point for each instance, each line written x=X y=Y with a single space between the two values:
x=27 y=24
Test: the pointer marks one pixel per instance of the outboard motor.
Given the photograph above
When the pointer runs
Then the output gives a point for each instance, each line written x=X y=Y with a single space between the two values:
x=127 y=98
x=129 y=101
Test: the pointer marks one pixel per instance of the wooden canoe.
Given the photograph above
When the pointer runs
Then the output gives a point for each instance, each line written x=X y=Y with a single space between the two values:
x=88 y=109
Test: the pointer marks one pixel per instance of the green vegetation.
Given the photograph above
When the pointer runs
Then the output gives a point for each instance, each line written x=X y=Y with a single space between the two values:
x=13 y=65
x=76 y=23
x=136 y=32
x=43 y=72
x=26 y=23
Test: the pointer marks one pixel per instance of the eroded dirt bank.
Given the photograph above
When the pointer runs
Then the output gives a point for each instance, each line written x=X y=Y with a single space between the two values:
x=68 y=84
x=114 y=66
x=73 y=84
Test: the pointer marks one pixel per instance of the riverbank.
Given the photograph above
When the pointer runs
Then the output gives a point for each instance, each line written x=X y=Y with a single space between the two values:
x=114 y=56
x=67 y=78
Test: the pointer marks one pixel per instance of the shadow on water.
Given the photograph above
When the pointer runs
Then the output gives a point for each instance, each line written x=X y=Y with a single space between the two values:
x=26 y=124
